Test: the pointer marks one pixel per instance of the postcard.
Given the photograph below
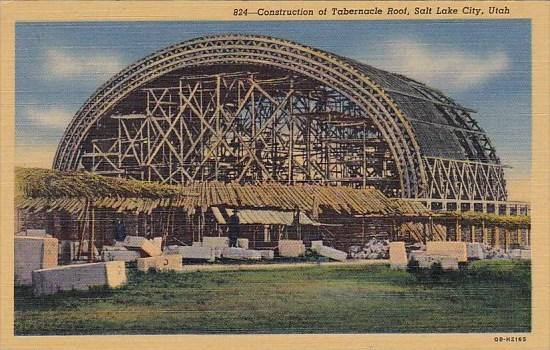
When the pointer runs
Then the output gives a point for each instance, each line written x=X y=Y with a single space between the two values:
x=281 y=175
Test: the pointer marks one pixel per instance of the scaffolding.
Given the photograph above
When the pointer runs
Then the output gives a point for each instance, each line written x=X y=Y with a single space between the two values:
x=239 y=127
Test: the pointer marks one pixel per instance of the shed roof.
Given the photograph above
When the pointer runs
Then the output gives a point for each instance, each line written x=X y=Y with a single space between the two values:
x=44 y=189
x=270 y=217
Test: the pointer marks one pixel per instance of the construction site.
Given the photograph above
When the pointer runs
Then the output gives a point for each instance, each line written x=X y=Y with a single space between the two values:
x=235 y=150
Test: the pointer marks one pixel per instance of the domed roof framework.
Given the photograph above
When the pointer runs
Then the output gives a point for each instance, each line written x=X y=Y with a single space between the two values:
x=428 y=146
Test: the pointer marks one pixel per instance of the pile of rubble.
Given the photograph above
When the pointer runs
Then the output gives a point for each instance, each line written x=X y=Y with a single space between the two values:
x=373 y=249
x=490 y=252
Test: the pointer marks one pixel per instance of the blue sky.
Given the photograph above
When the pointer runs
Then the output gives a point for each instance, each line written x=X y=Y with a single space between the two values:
x=484 y=65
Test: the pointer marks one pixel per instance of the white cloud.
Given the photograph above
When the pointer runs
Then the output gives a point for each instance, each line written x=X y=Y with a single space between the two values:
x=48 y=117
x=455 y=69
x=63 y=64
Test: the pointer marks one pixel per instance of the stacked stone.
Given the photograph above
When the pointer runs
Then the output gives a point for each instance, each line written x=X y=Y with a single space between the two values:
x=373 y=249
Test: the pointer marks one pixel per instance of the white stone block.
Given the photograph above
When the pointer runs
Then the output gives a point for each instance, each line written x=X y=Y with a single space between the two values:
x=454 y=249
x=267 y=254
x=234 y=253
x=332 y=253
x=120 y=255
x=241 y=254
x=217 y=252
x=191 y=252
x=251 y=254
x=447 y=262
x=475 y=251
x=414 y=254
x=515 y=253
x=172 y=262
x=525 y=254
x=398 y=255
x=33 y=253
x=291 y=248
x=215 y=242
x=78 y=277
x=242 y=243
x=143 y=244
x=315 y=245
x=114 y=248
x=36 y=233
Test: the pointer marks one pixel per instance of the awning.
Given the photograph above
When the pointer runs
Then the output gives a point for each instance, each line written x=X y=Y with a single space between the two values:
x=268 y=217
x=218 y=215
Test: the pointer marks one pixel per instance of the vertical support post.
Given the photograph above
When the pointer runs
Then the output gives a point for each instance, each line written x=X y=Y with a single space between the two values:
x=472 y=233
x=91 y=243
x=458 y=230
x=363 y=231
x=364 y=156
x=218 y=129
x=424 y=232
x=484 y=231
x=431 y=228
x=290 y=174
x=496 y=237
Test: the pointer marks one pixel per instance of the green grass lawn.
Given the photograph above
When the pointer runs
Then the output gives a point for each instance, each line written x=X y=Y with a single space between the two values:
x=484 y=297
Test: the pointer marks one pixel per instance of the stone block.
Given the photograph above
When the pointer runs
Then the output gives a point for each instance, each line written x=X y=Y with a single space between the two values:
x=78 y=277
x=447 y=262
x=332 y=253
x=267 y=254
x=242 y=243
x=291 y=248
x=172 y=262
x=414 y=254
x=241 y=254
x=234 y=253
x=144 y=264
x=525 y=254
x=36 y=233
x=398 y=255
x=454 y=249
x=315 y=245
x=515 y=253
x=143 y=244
x=114 y=248
x=251 y=254
x=191 y=252
x=157 y=241
x=217 y=252
x=475 y=251
x=120 y=255
x=33 y=253
x=215 y=242
x=169 y=262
